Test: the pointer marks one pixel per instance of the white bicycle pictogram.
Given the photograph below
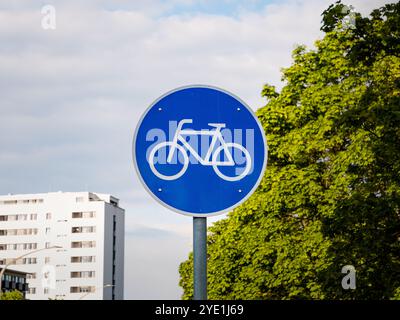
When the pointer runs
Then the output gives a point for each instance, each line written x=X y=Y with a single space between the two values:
x=210 y=159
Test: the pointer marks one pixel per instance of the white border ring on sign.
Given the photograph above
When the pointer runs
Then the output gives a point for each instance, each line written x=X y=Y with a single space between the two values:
x=186 y=213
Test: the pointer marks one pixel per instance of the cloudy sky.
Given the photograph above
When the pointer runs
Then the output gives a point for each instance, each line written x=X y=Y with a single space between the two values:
x=71 y=98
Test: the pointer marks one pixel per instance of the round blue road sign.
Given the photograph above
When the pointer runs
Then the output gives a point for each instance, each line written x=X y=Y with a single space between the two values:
x=200 y=151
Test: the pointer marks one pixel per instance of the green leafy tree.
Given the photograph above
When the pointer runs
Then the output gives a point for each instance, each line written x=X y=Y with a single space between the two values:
x=330 y=196
x=12 y=295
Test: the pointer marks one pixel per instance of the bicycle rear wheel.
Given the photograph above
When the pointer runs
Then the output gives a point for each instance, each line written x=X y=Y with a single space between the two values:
x=180 y=149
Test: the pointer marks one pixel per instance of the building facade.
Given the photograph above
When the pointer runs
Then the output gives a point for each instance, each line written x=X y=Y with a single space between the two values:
x=13 y=280
x=72 y=244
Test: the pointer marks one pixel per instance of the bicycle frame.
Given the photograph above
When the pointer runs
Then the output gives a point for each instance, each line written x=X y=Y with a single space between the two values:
x=216 y=136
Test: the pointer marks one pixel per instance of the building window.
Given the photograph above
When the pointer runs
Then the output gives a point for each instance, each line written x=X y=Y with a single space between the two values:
x=76 y=259
x=33 y=216
x=14 y=217
x=29 y=261
x=88 y=259
x=48 y=215
x=18 y=232
x=80 y=199
x=16 y=262
x=18 y=246
x=47 y=245
x=82 y=274
x=83 y=259
x=47 y=230
x=76 y=215
x=10 y=202
x=82 y=289
x=89 y=229
x=46 y=291
x=47 y=260
x=31 y=276
x=30 y=246
x=85 y=215
x=32 y=290
x=83 y=244
x=26 y=201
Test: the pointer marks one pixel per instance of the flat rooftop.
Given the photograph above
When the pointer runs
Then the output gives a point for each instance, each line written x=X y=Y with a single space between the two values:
x=39 y=197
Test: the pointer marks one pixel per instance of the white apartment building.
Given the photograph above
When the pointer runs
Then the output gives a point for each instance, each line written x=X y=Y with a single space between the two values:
x=84 y=234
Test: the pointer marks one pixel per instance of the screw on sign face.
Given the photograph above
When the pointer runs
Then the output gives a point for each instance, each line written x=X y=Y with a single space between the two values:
x=200 y=151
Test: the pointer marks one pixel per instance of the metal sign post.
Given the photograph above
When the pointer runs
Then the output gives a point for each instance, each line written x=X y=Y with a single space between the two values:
x=200 y=151
x=200 y=258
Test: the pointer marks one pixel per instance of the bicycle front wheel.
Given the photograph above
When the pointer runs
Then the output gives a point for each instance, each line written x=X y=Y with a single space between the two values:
x=241 y=149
